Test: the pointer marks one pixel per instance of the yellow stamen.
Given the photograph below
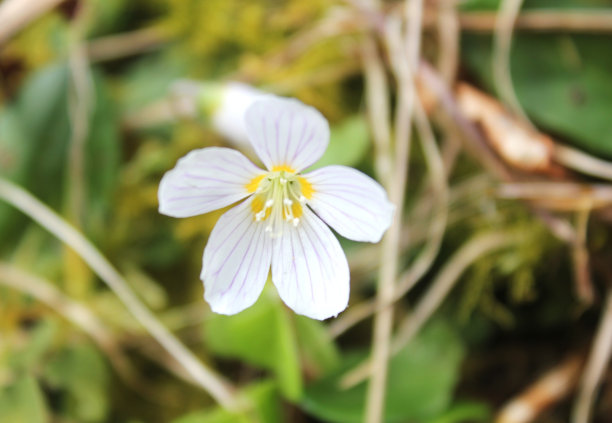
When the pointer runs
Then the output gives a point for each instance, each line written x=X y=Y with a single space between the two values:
x=286 y=168
x=306 y=187
x=257 y=205
x=254 y=183
x=296 y=208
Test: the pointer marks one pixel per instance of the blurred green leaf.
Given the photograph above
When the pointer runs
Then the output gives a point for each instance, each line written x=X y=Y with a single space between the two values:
x=462 y=412
x=316 y=346
x=15 y=151
x=263 y=396
x=419 y=387
x=42 y=111
x=39 y=344
x=23 y=402
x=261 y=335
x=562 y=81
x=17 y=156
x=348 y=143
x=140 y=87
x=83 y=376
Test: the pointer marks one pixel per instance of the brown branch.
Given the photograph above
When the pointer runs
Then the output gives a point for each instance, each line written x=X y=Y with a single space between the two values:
x=127 y=44
x=595 y=367
x=549 y=389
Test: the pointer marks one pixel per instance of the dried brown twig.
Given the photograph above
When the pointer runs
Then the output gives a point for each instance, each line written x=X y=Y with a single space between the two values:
x=127 y=44
x=596 y=364
x=404 y=49
x=547 y=390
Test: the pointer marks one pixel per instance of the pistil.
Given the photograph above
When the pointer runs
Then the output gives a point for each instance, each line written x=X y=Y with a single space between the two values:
x=278 y=198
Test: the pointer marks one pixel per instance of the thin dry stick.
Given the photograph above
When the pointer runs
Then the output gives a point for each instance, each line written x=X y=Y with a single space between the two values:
x=80 y=102
x=73 y=311
x=213 y=383
x=575 y=20
x=561 y=195
x=549 y=389
x=446 y=280
x=582 y=162
x=435 y=232
x=383 y=321
x=127 y=44
x=377 y=107
x=404 y=56
x=15 y=14
x=440 y=191
x=595 y=367
x=79 y=315
x=580 y=256
x=441 y=286
x=502 y=38
x=448 y=33
x=414 y=228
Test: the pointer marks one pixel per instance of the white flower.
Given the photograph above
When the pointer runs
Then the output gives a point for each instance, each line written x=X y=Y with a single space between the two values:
x=280 y=224
x=228 y=116
x=224 y=104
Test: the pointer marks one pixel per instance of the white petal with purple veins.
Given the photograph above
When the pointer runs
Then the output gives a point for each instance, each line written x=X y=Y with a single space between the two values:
x=286 y=132
x=205 y=180
x=236 y=261
x=309 y=268
x=352 y=203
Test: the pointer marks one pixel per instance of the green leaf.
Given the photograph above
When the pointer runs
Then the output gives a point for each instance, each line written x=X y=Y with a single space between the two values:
x=15 y=151
x=23 y=402
x=420 y=382
x=39 y=344
x=42 y=112
x=562 y=81
x=262 y=396
x=465 y=412
x=318 y=350
x=15 y=157
x=140 y=87
x=261 y=335
x=82 y=375
x=348 y=143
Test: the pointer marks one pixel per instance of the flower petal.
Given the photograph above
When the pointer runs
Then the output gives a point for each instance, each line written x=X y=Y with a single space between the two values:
x=309 y=268
x=286 y=132
x=236 y=261
x=352 y=203
x=206 y=180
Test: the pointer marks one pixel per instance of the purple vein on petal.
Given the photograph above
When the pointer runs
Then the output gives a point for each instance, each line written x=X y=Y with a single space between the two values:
x=259 y=247
x=245 y=255
x=301 y=147
x=299 y=234
x=323 y=245
x=289 y=135
x=216 y=271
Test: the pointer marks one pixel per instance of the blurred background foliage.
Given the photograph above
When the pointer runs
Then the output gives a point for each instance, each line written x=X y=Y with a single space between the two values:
x=514 y=315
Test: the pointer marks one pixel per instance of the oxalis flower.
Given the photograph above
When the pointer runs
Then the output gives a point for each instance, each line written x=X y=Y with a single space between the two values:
x=280 y=220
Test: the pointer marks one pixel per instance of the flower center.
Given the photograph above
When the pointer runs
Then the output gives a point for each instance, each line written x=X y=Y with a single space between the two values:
x=279 y=195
